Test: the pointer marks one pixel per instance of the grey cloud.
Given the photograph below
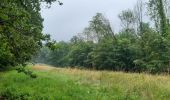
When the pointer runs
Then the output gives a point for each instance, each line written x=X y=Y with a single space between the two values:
x=62 y=22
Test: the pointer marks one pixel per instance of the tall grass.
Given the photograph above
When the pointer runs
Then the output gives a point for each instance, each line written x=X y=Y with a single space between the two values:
x=75 y=84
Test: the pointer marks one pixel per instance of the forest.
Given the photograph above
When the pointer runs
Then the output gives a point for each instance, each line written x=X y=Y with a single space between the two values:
x=140 y=45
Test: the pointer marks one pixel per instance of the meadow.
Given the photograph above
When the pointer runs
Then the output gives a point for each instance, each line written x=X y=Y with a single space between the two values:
x=75 y=84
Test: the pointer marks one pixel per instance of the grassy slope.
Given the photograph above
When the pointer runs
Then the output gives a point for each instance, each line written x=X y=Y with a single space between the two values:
x=74 y=84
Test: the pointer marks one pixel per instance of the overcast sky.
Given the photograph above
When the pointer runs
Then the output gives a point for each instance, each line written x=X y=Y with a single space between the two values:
x=63 y=22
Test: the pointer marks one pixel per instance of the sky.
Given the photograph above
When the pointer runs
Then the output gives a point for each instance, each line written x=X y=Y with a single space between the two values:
x=63 y=22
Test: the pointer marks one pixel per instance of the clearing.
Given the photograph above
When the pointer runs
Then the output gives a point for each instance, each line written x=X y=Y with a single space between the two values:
x=75 y=84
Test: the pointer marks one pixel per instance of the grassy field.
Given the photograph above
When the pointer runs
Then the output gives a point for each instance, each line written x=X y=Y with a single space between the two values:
x=74 y=84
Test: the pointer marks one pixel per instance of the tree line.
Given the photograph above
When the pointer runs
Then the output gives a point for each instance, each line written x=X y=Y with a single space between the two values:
x=139 y=46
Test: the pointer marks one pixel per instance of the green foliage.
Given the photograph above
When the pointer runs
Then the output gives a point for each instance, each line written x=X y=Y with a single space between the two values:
x=20 y=30
x=26 y=72
x=58 y=56
x=99 y=28
x=128 y=19
x=158 y=13
x=99 y=48
x=79 y=54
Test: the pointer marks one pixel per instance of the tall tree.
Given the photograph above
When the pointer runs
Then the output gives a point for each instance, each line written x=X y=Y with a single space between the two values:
x=128 y=20
x=139 y=14
x=99 y=28
x=20 y=30
x=157 y=12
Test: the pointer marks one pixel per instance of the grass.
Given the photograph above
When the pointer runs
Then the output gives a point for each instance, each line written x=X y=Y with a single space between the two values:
x=74 y=84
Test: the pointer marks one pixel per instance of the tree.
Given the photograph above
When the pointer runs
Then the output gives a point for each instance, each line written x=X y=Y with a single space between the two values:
x=127 y=20
x=42 y=56
x=98 y=29
x=79 y=54
x=20 y=30
x=58 y=57
x=157 y=12
x=138 y=13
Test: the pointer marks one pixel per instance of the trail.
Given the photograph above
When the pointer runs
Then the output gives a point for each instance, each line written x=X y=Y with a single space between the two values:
x=43 y=67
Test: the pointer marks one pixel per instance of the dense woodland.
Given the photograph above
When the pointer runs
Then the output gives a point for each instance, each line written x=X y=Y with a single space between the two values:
x=140 y=45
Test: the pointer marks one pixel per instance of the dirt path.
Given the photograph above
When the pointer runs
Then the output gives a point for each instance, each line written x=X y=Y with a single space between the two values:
x=43 y=67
